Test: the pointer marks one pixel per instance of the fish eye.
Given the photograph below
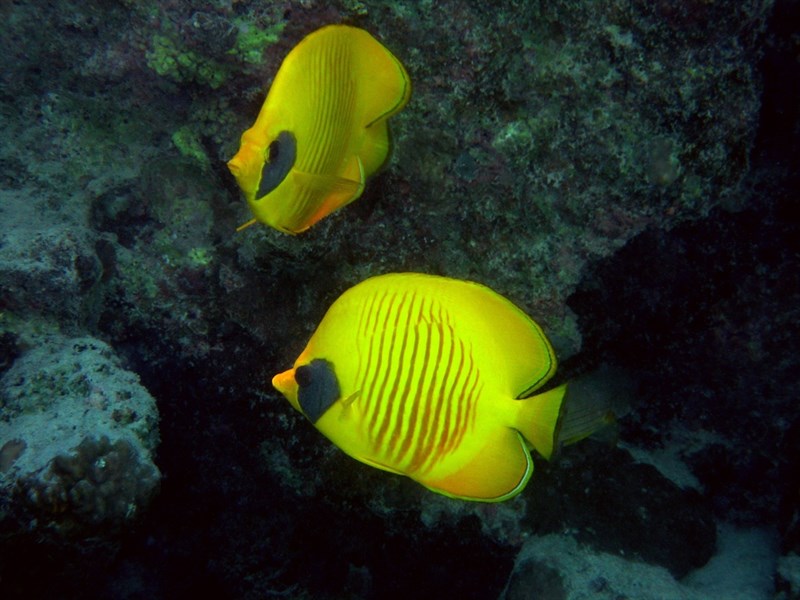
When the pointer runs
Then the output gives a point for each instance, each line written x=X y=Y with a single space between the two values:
x=273 y=152
x=302 y=375
x=317 y=388
x=279 y=160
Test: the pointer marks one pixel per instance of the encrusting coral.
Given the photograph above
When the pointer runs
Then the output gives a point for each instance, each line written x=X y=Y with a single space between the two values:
x=101 y=483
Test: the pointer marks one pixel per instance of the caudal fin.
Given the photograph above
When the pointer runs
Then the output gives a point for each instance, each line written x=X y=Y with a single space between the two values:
x=574 y=411
x=592 y=403
x=539 y=417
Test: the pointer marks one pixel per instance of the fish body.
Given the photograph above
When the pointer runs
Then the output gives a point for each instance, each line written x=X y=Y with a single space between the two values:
x=322 y=129
x=425 y=376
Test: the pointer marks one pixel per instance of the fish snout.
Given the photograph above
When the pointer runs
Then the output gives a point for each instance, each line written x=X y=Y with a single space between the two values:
x=286 y=384
x=235 y=166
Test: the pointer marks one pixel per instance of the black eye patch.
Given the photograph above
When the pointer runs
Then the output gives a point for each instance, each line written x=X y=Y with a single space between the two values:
x=281 y=155
x=317 y=388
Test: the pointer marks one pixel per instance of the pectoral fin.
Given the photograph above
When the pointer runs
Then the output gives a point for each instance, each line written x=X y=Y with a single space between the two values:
x=338 y=190
x=329 y=184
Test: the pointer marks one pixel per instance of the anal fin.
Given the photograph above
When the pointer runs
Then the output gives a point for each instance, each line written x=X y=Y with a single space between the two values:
x=499 y=471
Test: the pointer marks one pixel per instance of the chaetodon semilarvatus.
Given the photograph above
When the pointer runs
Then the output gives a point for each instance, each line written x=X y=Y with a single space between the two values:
x=322 y=129
x=440 y=380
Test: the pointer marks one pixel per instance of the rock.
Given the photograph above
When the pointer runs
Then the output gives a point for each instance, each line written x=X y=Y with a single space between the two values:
x=556 y=567
x=77 y=437
x=569 y=570
x=617 y=505
x=45 y=270
x=788 y=578
x=534 y=576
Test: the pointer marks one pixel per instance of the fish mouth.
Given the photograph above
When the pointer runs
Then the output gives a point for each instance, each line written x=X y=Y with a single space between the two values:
x=286 y=384
x=235 y=166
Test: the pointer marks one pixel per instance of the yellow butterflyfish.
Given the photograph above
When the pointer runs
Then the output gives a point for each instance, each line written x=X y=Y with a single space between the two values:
x=434 y=378
x=322 y=129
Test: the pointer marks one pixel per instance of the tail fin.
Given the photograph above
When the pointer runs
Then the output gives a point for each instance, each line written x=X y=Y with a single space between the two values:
x=593 y=402
x=539 y=417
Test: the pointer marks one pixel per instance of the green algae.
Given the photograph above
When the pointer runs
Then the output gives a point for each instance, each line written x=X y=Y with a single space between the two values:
x=187 y=141
x=167 y=58
x=252 y=41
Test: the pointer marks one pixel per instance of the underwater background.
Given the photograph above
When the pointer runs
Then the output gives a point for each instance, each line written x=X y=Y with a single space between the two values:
x=626 y=172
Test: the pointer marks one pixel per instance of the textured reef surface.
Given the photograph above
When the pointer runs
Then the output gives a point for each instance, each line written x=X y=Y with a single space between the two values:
x=625 y=171
x=79 y=433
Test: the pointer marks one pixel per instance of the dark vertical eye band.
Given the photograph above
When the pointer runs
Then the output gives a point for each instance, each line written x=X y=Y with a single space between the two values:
x=317 y=388
x=281 y=155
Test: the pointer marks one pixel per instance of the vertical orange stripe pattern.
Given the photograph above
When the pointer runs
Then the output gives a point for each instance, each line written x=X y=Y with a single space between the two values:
x=418 y=383
x=428 y=369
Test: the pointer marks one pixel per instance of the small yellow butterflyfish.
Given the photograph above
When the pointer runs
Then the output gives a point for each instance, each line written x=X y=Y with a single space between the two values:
x=437 y=379
x=322 y=129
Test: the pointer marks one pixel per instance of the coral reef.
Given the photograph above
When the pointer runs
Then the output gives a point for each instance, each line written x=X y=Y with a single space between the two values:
x=624 y=171
x=559 y=566
x=79 y=435
x=49 y=271
x=99 y=484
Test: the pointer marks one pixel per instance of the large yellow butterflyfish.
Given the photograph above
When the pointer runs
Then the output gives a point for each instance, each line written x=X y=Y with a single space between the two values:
x=435 y=378
x=322 y=129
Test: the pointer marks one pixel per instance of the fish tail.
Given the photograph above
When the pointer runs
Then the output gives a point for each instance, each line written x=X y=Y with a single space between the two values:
x=593 y=403
x=539 y=419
